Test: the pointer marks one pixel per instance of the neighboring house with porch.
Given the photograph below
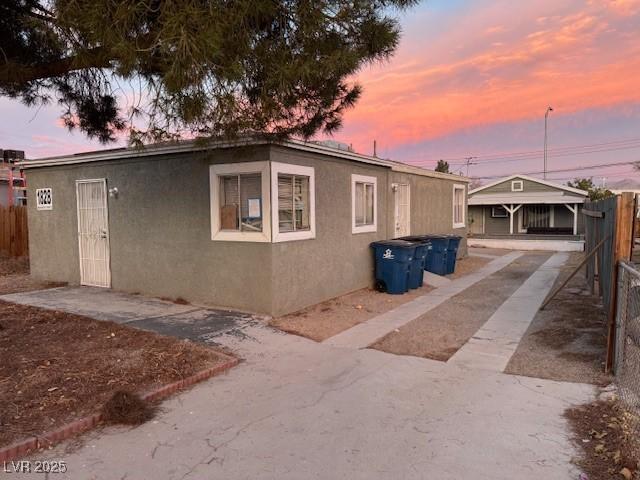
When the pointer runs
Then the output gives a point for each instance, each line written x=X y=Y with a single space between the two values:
x=253 y=224
x=526 y=213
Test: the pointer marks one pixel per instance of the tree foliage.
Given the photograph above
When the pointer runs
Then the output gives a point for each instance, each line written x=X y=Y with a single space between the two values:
x=586 y=184
x=202 y=67
x=442 y=166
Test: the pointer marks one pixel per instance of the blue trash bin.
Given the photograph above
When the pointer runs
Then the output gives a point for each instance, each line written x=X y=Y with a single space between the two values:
x=437 y=258
x=416 y=272
x=393 y=260
x=452 y=252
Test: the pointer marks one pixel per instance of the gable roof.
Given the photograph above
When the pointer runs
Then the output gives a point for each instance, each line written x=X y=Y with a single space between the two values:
x=198 y=146
x=576 y=191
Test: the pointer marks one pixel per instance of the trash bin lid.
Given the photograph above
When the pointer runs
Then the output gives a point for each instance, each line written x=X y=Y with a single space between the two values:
x=392 y=243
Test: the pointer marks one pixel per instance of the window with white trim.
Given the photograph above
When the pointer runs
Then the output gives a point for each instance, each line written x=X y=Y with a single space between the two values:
x=293 y=190
x=364 y=204
x=499 y=212
x=517 y=185
x=240 y=202
x=293 y=203
x=458 y=206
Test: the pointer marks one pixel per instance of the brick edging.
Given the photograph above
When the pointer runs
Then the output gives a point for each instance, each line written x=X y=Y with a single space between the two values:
x=69 y=430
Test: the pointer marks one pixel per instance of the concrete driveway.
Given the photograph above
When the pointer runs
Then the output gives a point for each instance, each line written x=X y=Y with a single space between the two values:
x=167 y=318
x=299 y=409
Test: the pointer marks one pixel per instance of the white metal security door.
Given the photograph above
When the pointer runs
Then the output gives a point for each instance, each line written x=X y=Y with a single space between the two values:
x=93 y=232
x=401 y=212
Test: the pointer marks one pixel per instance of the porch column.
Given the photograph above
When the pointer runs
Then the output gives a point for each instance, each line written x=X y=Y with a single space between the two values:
x=574 y=210
x=511 y=212
x=511 y=209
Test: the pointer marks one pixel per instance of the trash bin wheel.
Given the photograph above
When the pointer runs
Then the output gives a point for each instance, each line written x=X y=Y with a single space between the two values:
x=380 y=286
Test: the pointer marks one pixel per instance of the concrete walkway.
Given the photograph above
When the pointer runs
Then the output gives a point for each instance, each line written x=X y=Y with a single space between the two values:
x=366 y=333
x=160 y=316
x=298 y=409
x=493 y=345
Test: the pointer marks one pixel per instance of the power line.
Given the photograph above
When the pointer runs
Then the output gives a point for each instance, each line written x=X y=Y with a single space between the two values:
x=581 y=168
x=533 y=154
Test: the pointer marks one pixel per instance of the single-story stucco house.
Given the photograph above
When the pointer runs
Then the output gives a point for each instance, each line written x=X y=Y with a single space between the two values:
x=522 y=212
x=256 y=224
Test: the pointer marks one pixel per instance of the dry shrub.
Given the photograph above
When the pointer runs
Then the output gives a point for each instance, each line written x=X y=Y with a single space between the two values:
x=127 y=408
x=606 y=437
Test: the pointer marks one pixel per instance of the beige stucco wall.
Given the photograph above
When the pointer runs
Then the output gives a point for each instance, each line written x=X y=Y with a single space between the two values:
x=431 y=206
x=160 y=234
x=159 y=231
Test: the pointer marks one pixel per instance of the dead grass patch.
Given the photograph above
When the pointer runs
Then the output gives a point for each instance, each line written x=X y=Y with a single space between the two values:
x=127 y=408
x=439 y=333
x=567 y=340
x=57 y=367
x=606 y=437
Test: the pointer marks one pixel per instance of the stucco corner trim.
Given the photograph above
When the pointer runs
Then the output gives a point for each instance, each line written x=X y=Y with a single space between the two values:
x=364 y=228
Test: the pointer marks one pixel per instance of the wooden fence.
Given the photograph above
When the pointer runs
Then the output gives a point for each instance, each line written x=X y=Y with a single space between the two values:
x=610 y=222
x=14 y=236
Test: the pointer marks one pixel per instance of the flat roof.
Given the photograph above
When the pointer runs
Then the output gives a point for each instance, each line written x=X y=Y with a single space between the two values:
x=187 y=146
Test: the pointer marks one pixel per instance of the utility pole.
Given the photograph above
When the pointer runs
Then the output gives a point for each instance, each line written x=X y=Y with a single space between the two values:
x=469 y=162
x=546 y=117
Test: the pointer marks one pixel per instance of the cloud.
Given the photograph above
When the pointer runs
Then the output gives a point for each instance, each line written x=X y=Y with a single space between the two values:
x=582 y=58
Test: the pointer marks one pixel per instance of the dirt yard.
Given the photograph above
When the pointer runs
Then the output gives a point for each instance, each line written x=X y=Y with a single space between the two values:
x=440 y=333
x=567 y=340
x=606 y=437
x=57 y=367
x=468 y=265
x=329 y=318
x=14 y=276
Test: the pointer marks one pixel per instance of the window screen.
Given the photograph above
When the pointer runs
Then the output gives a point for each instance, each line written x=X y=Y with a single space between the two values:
x=364 y=203
x=458 y=205
x=536 y=216
x=293 y=203
x=241 y=202
x=499 y=212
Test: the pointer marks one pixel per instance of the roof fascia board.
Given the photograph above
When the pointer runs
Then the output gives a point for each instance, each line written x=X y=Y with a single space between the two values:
x=193 y=147
x=531 y=179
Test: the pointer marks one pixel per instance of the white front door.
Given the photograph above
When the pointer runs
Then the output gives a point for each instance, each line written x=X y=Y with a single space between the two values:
x=401 y=203
x=93 y=232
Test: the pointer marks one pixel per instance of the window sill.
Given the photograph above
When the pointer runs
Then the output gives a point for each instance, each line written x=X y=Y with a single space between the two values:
x=459 y=225
x=279 y=237
x=364 y=229
x=227 y=236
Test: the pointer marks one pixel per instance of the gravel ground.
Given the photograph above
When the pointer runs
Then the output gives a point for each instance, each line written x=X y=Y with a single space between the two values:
x=567 y=340
x=441 y=332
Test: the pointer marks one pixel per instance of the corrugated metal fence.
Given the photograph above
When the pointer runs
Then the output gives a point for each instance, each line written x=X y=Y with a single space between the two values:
x=608 y=223
x=600 y=223
x=14 y=236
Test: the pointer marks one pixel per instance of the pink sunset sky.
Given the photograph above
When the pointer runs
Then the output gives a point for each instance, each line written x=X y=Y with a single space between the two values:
x=474 y=78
